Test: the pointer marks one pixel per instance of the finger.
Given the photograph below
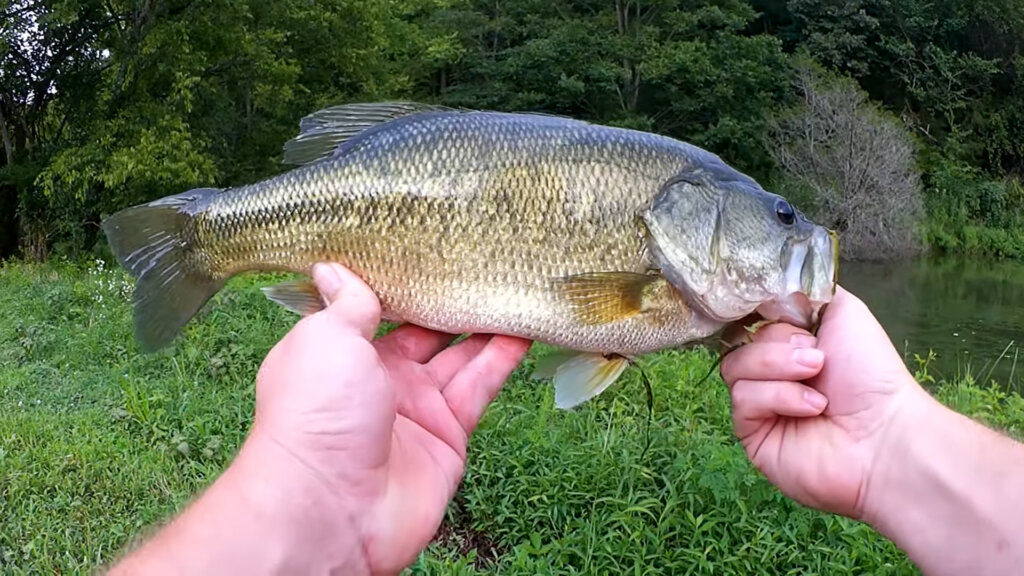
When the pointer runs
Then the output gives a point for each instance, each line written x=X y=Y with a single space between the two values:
x=478 y=383
x=738 y=334
x=846 y=305
x=419 y=400
x=350 y=301
x=844 y=298
x=415 y=342
x=447 y=364
x=772 y=361
x=778 y=332
x=756 y=400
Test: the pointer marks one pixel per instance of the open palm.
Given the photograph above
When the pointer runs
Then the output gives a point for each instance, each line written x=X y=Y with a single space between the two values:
x=381 y=426
x=821 y=456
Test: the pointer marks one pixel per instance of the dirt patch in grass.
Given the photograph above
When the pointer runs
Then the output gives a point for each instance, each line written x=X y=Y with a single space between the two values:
x=457 y=533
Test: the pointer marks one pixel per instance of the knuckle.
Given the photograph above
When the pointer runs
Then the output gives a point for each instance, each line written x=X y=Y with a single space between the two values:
x=310 y=325
x=403 y=342
x=730 y=365
x=366 y=302
x=780 y=396
x=767 y=363
x=739 y=393
x=349 y=355
x=777 y=332
x=369 y=311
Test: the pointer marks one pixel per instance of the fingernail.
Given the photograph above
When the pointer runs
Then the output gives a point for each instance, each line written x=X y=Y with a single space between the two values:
x=327 y=279
x=803 y=340
x=810 y=357
x=815 y=400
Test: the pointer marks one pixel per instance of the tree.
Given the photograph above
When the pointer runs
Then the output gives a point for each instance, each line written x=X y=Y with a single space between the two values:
x=858 y=162
x=840 y=35
x=48 y=66
x=164 y=95
x=685 y=69
x=106 y=103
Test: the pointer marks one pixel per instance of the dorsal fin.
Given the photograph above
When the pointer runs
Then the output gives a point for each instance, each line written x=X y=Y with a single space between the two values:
x=322 y=132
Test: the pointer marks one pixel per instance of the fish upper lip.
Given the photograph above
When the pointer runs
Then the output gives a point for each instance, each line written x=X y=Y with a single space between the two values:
x=829 y=253
x=811 y=273
x=820 y=275
x=834 y=237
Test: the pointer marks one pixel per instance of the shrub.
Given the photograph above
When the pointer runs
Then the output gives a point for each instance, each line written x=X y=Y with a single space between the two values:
x=857 y=163
x=972 y=214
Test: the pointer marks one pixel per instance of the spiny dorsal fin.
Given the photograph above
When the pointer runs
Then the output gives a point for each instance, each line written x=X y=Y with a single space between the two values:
x=604 y=297
x=323 y=131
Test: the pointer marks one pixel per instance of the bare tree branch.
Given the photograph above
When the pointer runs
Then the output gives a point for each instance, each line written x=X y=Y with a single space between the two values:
x=859 y=164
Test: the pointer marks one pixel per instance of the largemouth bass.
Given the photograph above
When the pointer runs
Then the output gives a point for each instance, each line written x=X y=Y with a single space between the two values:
x=608 y=242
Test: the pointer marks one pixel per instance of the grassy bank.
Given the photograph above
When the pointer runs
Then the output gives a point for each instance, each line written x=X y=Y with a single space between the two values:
x=99 y=442
x=971 y=214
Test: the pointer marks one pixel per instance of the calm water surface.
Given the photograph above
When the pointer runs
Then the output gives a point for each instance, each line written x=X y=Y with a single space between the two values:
x=968 y=312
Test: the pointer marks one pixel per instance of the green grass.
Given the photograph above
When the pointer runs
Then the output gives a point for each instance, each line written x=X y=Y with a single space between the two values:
x=98 y=443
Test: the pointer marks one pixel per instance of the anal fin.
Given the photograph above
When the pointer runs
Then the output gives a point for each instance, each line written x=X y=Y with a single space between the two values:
x=300 y=297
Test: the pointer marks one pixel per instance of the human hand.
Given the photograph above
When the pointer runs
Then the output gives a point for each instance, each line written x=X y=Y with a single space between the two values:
x=374 y=433
x=816 y=414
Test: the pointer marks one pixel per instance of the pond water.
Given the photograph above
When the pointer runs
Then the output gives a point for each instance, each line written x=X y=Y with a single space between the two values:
x=970 y=313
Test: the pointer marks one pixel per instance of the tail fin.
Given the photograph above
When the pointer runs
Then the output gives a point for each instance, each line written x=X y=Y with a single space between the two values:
x=152 y=242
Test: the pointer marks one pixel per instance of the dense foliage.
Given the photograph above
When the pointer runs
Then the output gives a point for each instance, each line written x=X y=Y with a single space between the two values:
x=104 y=103
x=100 y=443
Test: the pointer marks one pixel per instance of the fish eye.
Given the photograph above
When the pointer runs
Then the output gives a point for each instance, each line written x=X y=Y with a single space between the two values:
x=785 y=213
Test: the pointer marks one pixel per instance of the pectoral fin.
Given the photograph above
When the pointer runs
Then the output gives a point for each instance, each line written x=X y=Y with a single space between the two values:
x=605 y=297
x=300 y=297
x=581 y=376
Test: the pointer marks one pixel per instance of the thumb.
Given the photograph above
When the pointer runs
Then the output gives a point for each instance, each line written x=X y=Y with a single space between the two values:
x=349 y=300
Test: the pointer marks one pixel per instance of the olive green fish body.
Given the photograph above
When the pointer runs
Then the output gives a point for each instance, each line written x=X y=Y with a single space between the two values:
x=468 y=222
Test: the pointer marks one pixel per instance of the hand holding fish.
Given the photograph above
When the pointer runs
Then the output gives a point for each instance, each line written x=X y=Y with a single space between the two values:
x=384 y=425
x=812 y=412
x=838 y=423
x=356 y=449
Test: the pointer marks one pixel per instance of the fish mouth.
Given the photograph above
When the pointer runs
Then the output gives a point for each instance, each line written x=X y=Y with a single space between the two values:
x=810 y=278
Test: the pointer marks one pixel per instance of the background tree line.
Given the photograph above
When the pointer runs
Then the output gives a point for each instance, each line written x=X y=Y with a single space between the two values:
x=896 y=121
